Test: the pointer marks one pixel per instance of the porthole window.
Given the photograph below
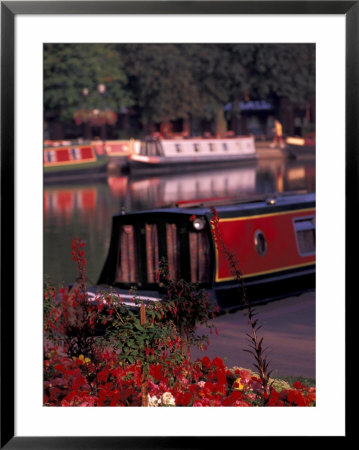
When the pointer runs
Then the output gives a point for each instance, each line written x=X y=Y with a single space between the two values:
x=260 y=243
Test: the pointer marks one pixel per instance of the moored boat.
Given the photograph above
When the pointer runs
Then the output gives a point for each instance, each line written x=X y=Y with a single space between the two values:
x=73 y=161
x=298 y=147
x=273 y=239
x=118 y=151
x=158 y=155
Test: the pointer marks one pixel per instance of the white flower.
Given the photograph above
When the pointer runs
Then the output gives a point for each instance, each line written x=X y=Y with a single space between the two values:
x=168 y=399
x=201 y=384
x=153 y=401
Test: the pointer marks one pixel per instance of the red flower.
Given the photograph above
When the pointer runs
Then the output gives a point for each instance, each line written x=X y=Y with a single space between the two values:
x=183 y=399
x=156 y=371
x=296 y=398
x=233 y=397
x=206 y=362
x=218 y=363
x=103 y=376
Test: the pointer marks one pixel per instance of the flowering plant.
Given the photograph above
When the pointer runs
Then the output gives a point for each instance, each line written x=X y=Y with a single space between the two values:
x=255 y=343
x=187 y=306
x=105 y=382
x=95 y=117
x=139 y=361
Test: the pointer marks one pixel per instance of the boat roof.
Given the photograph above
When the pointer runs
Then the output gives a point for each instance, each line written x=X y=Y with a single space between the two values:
x=196 y=138
x=227 y=204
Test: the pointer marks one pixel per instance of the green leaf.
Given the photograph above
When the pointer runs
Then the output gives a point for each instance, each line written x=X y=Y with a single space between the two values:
x=139 y=327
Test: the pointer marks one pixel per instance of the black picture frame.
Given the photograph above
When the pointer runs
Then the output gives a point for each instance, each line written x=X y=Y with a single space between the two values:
x=9 y=9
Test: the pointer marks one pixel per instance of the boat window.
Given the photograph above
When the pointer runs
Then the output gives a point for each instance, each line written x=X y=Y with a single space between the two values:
x=305 y=235
x=152 y=149
x=196 y=147
x=143 y=150
x=178 y=148
x=50 y=156
x=212 y=147
x=199 y=256
x=158 y=149
x=127 y=256
x=173 y=251
x=225 y=146
x=75 y=153
x=260 y=243
x=152 y=256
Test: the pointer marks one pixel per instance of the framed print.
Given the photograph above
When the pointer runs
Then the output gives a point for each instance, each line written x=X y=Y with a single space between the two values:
x=111 y=115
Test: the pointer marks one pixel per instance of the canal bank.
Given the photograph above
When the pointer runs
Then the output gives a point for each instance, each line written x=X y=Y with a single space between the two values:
x=288 y=331
x=265 y=151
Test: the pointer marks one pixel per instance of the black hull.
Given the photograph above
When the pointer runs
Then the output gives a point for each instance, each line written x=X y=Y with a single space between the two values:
x=76 y=174
x=142 y=169
x=300 y=151
x=259 y=291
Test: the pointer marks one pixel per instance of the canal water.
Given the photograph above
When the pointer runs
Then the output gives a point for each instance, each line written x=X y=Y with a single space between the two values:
x=85 y=209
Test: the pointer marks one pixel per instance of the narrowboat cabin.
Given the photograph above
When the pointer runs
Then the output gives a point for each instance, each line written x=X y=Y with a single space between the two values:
x=157 y=155
x=72 y=162
x=119 y=151
x=273 y=239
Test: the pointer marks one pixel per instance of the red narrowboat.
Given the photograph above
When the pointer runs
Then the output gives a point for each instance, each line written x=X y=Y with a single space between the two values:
x=73 y=161
x=117 y=151
x=272 y=238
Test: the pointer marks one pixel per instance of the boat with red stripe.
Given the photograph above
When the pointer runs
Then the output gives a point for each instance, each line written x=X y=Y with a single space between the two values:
x=272 y=237
x=118 y=151
x=62 y=162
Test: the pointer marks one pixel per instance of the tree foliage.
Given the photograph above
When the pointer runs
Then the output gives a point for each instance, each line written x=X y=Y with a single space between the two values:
x=71 y=68
x=283 y=71
x=170 y=81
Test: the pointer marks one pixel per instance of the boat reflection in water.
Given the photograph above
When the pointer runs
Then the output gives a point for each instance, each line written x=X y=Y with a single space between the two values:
x=257 y=178
x=159 y=191
x=65 y=201
x=165 y=190
x=284 y=176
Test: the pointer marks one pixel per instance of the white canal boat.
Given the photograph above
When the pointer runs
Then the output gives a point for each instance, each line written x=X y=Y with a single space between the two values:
x=158 y=155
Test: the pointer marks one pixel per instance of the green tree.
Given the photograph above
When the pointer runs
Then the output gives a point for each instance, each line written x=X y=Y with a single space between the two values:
x=171 y=81
x=71 y=68
x=160 y=80
x=174 y=81
x=283 y=71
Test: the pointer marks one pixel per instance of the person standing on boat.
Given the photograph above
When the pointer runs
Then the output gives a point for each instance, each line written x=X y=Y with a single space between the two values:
x=278 y=134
